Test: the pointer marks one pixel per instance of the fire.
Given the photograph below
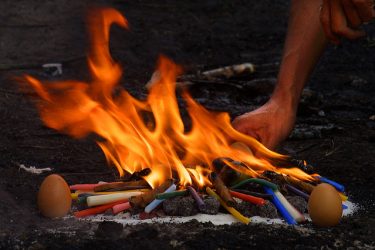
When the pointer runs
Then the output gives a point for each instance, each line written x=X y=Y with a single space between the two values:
x=139 y=134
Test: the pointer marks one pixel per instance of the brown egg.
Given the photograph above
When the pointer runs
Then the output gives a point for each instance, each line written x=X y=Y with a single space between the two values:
x=325 y=206
x=54 y=199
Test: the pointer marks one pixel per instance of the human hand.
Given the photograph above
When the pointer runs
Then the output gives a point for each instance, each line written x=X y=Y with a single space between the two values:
x=269 y=124
x=342 y=18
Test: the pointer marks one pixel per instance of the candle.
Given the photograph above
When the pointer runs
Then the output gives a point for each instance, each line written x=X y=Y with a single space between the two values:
x=157 y=202
x=256 y=180
x=96 y=210
x=143 y=200
x=249 y=198
x=82 y=198
x=343 y=197
x=74 y=196
x=197 y=198
x=164 y=196
x=256 y=194
x=297 y=216
x=289 y=219
x=121 y=207
x=108 y=198
x=338 y=186
x=298 y=192
x=231 y=210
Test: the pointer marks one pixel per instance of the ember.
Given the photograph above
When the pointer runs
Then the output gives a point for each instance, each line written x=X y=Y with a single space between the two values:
x=160 y=154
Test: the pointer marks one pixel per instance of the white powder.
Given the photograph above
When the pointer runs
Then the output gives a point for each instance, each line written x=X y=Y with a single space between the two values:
x=217 y=219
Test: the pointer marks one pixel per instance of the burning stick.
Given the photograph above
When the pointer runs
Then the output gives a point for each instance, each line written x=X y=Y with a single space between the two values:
x=307 y=187
x=226 y=173
x=287 y=216
x=143 y=200
x=157 y=202
x=258 y=181
x=231 y=210
x=84 y=186
x=222 y=190
x=96 y=210
x=164 y=196
x=108 y=198
x=119 y=186
x=197 y=198
x=249 y=198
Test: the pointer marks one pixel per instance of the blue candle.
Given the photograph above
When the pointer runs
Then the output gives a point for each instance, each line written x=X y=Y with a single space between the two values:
x=157 y=202
x=298 y=192
x=338 y=186
x=289 y=219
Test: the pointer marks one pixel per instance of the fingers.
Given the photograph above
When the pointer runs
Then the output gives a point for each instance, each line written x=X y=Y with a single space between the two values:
x=244 y=128
x=339 y=24
x=325 y=19
x=341 y=17
x=351 y=13
x=365 y=9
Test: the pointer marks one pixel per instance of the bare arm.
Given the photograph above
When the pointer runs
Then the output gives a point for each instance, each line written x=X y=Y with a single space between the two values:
x=304 y=44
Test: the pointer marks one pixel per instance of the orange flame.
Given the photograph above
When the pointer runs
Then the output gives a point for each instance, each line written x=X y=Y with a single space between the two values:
x=129 y=143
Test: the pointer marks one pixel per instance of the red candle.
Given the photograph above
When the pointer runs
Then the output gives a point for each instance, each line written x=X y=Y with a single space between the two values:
x=120 y=207
x=249 y=198
x=97 y=210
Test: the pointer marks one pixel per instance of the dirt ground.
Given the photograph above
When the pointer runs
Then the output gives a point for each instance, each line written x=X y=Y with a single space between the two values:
x=335 y=131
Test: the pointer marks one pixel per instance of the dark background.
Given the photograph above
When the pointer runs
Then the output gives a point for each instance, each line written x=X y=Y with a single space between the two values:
x=198 y=35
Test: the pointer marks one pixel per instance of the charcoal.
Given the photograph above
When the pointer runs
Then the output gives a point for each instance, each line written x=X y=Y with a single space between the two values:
x=212 y=205
x=298 y=202
x=180 y=206
x=248 y=209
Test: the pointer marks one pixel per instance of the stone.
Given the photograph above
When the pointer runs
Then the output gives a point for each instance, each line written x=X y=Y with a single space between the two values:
x=298 y=202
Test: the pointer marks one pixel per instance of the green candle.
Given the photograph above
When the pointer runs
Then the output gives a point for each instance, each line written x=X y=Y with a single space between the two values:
x=256 y=180
x=164 y=196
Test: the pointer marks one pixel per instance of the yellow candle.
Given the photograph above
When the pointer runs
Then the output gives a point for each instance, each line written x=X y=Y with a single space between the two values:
x=231 y=210
x=343 y=197
x=74 y=196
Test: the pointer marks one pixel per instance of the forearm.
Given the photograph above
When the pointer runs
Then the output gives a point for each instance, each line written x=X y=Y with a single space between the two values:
x=305 y=42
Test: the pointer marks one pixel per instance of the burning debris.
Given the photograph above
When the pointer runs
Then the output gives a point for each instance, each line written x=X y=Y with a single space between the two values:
x=163 y=165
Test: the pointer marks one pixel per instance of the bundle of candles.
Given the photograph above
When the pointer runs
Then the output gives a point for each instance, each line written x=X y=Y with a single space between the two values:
x=233 y=191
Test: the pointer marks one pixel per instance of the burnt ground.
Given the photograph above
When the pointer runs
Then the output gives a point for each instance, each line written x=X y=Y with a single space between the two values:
x=197 y=35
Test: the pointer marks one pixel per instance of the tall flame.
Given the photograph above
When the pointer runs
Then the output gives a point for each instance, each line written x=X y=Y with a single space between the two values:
x=130 y=141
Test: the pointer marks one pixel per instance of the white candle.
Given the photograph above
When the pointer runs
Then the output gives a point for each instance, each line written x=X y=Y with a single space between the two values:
x=297 y=216
x=109 y=198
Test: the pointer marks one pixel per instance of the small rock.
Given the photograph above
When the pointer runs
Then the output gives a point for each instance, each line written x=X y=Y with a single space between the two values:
x=212 y=205
x=372 y=118
x=321 y=113
x=248 y=209
x=180 y=206
x=298 y=202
